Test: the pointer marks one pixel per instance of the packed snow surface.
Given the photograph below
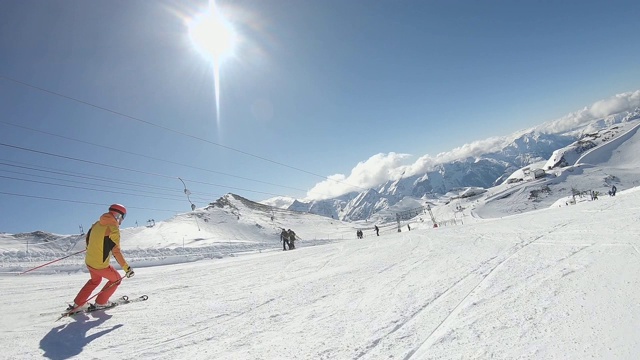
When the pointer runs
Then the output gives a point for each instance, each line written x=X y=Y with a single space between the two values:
x=555 y=283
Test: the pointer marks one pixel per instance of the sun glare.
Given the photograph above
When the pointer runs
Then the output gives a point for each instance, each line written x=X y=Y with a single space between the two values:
x=214 y=37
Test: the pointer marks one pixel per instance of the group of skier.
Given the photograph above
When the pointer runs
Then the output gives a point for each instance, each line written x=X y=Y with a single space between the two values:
x=288 y=238
x=360 y=234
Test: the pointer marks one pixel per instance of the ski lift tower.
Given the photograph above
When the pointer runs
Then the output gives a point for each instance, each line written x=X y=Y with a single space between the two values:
x=433 y=219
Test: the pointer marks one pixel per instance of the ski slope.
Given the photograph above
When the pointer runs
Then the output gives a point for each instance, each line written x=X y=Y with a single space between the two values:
x=554 y=283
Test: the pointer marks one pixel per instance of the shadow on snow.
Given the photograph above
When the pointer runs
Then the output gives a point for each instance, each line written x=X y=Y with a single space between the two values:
x=68 y=340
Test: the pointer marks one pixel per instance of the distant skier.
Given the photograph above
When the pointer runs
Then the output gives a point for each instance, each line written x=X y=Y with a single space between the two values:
x=284 y=237
x=292 y=239
x=613 y=190
x=375 y=227
x=409 y=227
x=103 y=240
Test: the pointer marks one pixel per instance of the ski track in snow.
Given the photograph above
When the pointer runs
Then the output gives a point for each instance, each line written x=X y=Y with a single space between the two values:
x=511 y=252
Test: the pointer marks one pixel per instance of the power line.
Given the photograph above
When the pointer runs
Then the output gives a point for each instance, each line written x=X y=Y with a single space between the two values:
x=165 y=195
x=273 y=209
x=110 y=181
x=147 y=157
x=79 y=202
x=174 y=131
x=126 y=169
x=90 y=189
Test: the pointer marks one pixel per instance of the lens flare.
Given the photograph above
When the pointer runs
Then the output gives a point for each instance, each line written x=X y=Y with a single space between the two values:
x=214 y=37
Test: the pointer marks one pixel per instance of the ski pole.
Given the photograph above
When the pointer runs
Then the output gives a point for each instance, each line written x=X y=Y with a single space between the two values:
x=51 y=262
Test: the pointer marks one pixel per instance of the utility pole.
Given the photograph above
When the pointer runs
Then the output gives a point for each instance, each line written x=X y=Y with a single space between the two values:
x=433 y=219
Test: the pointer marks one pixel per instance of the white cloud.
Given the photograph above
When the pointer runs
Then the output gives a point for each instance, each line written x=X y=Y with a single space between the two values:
x=426 y=162
x=616 y=104
x=366 y=174
x=600 y=109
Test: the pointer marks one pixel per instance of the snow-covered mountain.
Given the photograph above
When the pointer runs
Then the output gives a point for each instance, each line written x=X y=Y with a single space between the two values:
x=483 y=171
x=281 y=202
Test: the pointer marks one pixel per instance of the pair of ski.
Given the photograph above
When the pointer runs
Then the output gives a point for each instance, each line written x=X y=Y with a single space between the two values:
x=118 y=302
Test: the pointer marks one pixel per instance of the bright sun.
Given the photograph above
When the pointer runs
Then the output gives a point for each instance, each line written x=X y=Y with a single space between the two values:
x=214 y=37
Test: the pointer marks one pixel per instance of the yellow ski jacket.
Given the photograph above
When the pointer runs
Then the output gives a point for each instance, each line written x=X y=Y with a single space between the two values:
x=103 y=239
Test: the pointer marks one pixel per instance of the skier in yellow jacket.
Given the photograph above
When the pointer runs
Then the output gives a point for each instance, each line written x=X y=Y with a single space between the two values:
x=103 y=239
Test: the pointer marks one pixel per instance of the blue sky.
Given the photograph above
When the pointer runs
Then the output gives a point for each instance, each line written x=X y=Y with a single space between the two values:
x=113 y=101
